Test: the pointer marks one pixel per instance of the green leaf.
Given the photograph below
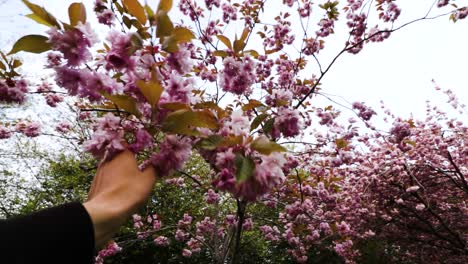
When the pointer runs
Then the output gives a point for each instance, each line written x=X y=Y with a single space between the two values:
x=165 y=26
x=151 y=90
x=77 y=13
x=165 y=5
x=258 y=120
x=41 y=14
x=124 y=102
x=2 y=66
x=210 y=143
x=31 y=43
x=225 y=40
x=135 y=9
x=245 y=167
x=268 y=125
x=265 y=146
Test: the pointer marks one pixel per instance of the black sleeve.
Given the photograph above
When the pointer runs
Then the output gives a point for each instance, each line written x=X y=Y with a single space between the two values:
x=62 y=234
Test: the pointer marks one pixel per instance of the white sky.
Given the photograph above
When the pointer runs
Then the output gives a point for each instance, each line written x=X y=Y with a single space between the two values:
x=398 y=71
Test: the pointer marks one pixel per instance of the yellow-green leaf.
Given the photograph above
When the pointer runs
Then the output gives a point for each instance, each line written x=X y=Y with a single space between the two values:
x=251 y=105
x=165 y=26
x=341 y=143
x=149 y=11
x=239 y=45
x=127 y=21
x=245 y=34
x=77 y=13
x=170 y=45
x=135 y=9
x=151 y=90
x=180 y=122
x=175 y=106
x=31 y=43
x=39 y=20
x=253 y=53
x=150 y=14
x=231 y=141
x=225 y=40
x=220 y=53
x=179 y=35
x=265 y=146
x=211 y=105
x=16 y=63
x=45 y=17
x=124 y=102
x=182 y=34
x=185 y=120
x=210 y=143
x=165 y=5
x=206 y=119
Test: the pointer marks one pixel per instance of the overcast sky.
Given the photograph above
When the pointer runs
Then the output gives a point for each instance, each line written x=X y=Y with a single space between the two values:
x=398 y=71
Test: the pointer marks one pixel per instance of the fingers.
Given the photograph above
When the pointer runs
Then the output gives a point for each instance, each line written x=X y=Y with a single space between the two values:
x=122 y=166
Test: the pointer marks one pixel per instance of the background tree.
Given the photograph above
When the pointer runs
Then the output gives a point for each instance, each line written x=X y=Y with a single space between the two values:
x=204 y=90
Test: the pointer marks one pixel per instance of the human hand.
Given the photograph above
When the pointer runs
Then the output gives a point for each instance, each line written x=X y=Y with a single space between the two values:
x=117 y=191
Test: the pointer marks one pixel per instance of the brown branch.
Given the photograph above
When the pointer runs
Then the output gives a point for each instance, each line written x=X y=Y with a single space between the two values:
x=241 y=206
x=462 y=177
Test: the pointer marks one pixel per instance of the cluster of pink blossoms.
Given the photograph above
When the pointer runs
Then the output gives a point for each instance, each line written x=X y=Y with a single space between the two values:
x=173 y=152
x=110 y=250
x=29 y=129
x=13 y=91
x=238 y=75
x=268 y=174
x=104 y=15
x=107 y=139
x=73 y=44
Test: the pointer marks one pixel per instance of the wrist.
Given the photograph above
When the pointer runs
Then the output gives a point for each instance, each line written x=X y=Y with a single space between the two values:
x=106 y=218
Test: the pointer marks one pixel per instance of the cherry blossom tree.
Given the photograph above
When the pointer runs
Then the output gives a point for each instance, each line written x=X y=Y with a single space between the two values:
x=170 y=91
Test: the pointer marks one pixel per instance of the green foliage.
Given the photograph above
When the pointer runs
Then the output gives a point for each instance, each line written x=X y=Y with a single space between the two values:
x=64 y=180
x=31 y=43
